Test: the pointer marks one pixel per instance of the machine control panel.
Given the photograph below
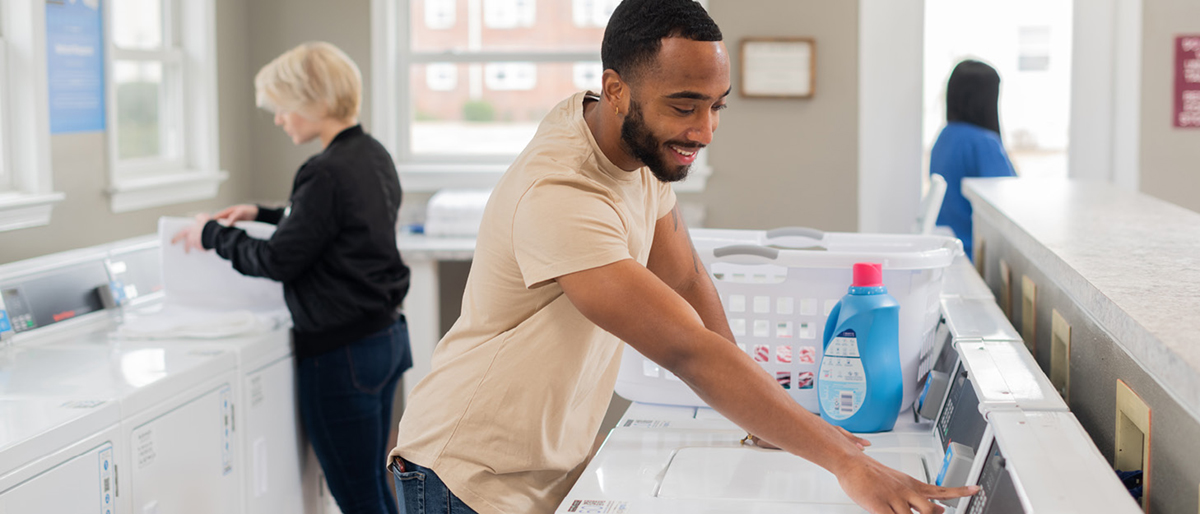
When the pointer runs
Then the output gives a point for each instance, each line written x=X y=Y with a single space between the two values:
x=62 y=294
x=997 y=493
x=226 y=429
x=108 y=491
x=960 y=420
x=19 y=316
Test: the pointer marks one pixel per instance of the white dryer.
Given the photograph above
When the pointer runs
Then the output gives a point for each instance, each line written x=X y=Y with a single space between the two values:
x=58 y=455
x=176 y=447
x=280 y=475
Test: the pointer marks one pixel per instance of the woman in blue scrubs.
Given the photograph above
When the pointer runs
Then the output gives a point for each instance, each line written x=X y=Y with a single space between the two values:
x=970 y=144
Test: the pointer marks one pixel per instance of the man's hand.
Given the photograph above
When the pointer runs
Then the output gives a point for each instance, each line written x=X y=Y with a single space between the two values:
x=882 y=490
x=190 y=236
x=233 y=214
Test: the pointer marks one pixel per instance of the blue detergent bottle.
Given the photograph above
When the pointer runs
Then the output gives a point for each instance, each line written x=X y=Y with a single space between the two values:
x=859 y=385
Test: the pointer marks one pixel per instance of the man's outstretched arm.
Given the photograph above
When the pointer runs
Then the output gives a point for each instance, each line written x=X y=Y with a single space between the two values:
x=633 y=303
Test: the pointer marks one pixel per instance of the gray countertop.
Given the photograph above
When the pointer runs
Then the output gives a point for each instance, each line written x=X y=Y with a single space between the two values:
x=422 y=247
x=1130 y=260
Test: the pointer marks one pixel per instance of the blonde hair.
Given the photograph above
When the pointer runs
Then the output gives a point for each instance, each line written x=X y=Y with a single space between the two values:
x=315 y=79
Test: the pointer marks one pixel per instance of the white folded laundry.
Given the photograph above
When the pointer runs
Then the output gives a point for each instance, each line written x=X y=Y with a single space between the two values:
x=184 y=323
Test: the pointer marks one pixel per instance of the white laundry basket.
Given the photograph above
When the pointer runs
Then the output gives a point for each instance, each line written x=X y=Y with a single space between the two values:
x=778 y=287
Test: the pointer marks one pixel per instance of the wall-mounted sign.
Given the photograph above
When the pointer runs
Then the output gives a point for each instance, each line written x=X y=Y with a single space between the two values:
x=778 y=67
x=1187 y=81
x=75 y=65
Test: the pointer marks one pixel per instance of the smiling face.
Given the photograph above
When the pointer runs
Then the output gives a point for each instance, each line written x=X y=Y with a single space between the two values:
x=675 y=106
x=297 y=126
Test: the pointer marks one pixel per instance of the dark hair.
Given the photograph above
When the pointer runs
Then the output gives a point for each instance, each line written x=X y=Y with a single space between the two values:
x=637 y=27
x=972 y=95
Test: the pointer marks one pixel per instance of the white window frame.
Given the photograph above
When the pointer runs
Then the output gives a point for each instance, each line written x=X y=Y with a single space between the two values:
x=391 y=103
x=28 y=197
x=188 y=113
x=5 y=178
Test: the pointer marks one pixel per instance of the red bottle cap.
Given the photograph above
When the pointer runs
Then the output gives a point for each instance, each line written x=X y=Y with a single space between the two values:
x=868 y=274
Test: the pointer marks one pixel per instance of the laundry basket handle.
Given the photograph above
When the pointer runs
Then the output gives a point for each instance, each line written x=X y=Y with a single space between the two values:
x=759 y=251
x=810 y=233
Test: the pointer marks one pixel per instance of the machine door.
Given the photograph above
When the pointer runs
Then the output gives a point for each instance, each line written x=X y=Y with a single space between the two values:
x=271 y=437
x=182 y=457
x=83 y=483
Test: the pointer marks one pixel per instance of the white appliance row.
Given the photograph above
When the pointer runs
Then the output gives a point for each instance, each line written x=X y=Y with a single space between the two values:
x=93 y=421
x=996 y=422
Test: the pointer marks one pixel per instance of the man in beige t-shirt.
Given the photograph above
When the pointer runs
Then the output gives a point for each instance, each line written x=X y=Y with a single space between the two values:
x=582 y=246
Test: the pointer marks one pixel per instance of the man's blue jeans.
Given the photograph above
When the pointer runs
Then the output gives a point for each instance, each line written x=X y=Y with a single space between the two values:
x=420 y=491
x=345 y=399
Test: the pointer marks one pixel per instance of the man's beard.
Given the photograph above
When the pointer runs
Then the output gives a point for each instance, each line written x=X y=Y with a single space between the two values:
x=649 y=149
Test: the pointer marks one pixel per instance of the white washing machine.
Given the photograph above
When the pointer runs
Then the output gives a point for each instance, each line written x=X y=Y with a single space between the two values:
x=681 y=459
x=176 y=449
x=58 y=455
x=280 y=474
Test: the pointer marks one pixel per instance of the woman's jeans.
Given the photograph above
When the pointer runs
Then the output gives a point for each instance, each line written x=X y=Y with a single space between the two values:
x=420 y=491
x=345 y=399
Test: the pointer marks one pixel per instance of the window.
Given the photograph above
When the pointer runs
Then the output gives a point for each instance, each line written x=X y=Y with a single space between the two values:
x=509 y=14
x=587 y=74
x=1028 y=42
x=460 y=85
x=1034 y=48
x=511 y=76
x=592 y=13
x=439 y=14
x=26 y=193
x=161 y=102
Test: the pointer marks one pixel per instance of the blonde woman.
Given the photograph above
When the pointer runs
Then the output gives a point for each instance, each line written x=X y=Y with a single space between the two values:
x=343 y=279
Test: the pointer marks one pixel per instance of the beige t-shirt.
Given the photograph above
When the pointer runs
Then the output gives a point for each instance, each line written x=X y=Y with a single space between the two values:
x=521 y=382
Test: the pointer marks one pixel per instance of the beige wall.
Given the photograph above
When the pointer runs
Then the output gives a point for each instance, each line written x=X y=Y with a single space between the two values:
x=275 y=27
x=1170 y=157
x=80 y=163
x=777 y=162
x=788 y=162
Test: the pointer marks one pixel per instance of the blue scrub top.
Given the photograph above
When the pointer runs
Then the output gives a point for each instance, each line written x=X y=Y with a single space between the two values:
x=965 y=150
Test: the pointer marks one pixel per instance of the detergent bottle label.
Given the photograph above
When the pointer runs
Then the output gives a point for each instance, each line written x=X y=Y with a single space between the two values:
x=843 y=384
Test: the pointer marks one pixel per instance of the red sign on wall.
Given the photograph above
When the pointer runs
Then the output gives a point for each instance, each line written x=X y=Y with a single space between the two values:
x=1187 y=81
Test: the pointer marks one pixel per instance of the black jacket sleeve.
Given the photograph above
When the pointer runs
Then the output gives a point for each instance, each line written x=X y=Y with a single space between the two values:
x=270 y=215
x=299 y=240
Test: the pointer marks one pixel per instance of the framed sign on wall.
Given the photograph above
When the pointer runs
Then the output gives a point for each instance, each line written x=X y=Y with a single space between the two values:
x=782 y=67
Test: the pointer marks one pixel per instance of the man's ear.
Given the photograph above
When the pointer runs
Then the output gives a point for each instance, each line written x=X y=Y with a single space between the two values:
x=615 y=91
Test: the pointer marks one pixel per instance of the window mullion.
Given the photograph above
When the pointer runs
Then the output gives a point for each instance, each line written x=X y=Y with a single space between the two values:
x=126 y=54
x=5 y=177
x=475 y=57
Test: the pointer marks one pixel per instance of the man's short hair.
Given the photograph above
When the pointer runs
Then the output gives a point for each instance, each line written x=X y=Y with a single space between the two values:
x=315 y=79
x=637 y=27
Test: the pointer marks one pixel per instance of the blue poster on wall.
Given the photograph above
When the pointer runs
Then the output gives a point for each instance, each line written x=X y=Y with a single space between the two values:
x=75 y=65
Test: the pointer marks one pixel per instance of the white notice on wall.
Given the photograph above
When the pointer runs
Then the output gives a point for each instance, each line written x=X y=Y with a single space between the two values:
x=777 y=68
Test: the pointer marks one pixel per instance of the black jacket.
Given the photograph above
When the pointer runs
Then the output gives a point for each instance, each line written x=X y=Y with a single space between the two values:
x=335 y=251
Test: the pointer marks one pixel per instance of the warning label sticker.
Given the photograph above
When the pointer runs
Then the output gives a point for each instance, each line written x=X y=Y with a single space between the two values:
x=145 y=448
x=645 y=423
x=598 y=507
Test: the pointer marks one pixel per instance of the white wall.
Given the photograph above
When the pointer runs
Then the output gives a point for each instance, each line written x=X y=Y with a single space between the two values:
x=889 y=114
